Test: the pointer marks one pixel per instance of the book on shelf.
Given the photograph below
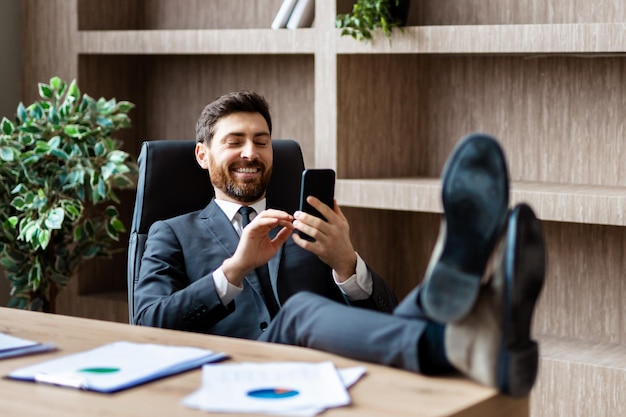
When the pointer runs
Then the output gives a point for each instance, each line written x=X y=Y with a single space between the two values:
x=302 y=15
x=282 y=17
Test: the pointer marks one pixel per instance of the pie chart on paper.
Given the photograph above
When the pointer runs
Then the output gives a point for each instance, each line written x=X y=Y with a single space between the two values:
x=272 y=393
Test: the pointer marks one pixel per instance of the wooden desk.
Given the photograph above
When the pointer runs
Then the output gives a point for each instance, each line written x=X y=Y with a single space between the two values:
x=382 y=391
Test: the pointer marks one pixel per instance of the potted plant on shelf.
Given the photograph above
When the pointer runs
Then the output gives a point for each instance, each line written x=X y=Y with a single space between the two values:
x=369 y=15
x=59 y=166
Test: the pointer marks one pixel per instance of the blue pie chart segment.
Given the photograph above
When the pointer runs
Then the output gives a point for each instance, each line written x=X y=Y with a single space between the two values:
x=273 y=393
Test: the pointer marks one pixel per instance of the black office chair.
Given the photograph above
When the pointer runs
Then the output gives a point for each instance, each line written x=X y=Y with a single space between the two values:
x=172 y=183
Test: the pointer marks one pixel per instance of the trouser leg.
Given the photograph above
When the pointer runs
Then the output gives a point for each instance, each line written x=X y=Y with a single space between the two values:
x=410 y=307
x=312 y=321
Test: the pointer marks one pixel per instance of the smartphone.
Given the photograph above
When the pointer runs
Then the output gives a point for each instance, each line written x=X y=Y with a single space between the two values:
x=319 y=183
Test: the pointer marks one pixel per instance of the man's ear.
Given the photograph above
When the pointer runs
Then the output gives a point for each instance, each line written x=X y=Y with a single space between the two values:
x=202 y=155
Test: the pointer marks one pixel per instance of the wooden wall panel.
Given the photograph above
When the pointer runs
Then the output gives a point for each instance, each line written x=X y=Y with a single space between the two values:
x=503 y=12
x=120 y=77
x=165 y=14
x=395 y=244
x=178 y=87
x=537 y=107
x=194 y=14
x=111 y=306
x=451 y=12
x=110 y=15
x=47 y=47
x=580 y=387
x=379 y=135
x=584 y=288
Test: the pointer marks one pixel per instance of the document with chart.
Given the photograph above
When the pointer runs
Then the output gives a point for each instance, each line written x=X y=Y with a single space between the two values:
x=116 y=366
x=292 y=388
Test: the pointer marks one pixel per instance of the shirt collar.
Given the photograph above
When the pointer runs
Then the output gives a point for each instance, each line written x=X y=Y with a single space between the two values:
x=230 y=208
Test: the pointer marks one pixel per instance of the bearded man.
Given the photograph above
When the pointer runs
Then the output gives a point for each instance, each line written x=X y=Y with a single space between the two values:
x=472 y=313
x=205 y=272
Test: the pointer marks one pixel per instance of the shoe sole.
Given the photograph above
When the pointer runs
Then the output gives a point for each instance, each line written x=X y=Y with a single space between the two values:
x=475 y=196
x=524 y=274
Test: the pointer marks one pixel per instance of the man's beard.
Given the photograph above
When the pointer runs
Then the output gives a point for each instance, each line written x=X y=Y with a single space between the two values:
x=246 y=191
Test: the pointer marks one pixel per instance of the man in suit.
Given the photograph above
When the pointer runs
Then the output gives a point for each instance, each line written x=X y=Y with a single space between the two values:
x=473 y=312
x=226 y=269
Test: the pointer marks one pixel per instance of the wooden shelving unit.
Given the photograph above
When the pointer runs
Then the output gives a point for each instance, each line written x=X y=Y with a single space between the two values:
x=545 y=78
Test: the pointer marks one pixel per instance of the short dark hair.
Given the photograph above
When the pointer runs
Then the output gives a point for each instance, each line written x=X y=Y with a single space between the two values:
x=238 y=101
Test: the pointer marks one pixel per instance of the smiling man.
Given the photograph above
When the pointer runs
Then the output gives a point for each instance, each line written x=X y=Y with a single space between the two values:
x=227 y=269
x=224 y=270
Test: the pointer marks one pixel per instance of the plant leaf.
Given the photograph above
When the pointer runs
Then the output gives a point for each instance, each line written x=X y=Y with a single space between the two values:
x=73 y=91
x=44 y=238
x=56 y=83
x=45 y=91
x=7 y=126
x=55 y=217
x=6 y=154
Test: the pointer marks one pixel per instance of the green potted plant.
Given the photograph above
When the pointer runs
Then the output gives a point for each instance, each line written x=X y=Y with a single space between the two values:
x=369 y=15
x=59 y=167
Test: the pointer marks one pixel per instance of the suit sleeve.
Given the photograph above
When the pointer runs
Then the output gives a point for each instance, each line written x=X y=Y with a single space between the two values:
x=382 y=299
x=164 y=295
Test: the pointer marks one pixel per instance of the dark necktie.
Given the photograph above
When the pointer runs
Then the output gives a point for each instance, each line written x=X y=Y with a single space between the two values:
x=262 y=271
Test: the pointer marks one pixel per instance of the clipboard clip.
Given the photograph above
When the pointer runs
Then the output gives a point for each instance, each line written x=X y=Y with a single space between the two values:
x=62 y=380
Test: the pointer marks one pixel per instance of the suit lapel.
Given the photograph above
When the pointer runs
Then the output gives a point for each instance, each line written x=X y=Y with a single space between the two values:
x=219 y=227
x=273 y=265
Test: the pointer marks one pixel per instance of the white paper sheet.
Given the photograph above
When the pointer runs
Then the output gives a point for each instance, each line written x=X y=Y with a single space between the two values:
x=8 y=342
x=282 y=388
x=11 y=346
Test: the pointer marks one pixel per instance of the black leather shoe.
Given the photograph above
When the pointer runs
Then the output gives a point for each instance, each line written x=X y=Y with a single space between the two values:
x=475 y=194
x=524 y=275
x=493 y=344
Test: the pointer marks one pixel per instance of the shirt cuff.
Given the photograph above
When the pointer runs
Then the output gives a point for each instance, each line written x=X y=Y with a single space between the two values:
x=225 y=290
x=360 y=285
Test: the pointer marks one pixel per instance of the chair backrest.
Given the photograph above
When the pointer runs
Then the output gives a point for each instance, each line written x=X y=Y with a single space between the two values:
x=171 y=183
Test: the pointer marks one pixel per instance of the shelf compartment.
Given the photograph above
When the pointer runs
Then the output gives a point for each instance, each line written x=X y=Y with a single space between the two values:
x=178 y=42
x=579 y=378
x=406 y=124
x=507 y=12
x=170 y=91
x=552 y=202
x=574 y=38
x=174 y=14
x=583 y=291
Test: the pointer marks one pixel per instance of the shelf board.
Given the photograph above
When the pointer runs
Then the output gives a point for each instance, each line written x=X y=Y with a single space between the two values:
x=553 y=202
x=579 y=38
x=173 y=42
x=575 y=38
x=574 y=351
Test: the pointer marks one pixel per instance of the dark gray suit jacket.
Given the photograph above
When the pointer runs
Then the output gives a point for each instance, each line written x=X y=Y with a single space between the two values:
x=176 y=288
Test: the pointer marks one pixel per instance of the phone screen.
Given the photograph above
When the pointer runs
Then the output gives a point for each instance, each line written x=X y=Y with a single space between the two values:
x=319 y=183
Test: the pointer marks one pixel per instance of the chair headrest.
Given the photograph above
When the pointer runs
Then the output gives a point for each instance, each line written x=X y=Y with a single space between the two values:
x=172 y=183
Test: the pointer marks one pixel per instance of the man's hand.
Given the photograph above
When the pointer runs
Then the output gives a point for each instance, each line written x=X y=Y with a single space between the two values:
x=332 y=237
x=255 y=247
